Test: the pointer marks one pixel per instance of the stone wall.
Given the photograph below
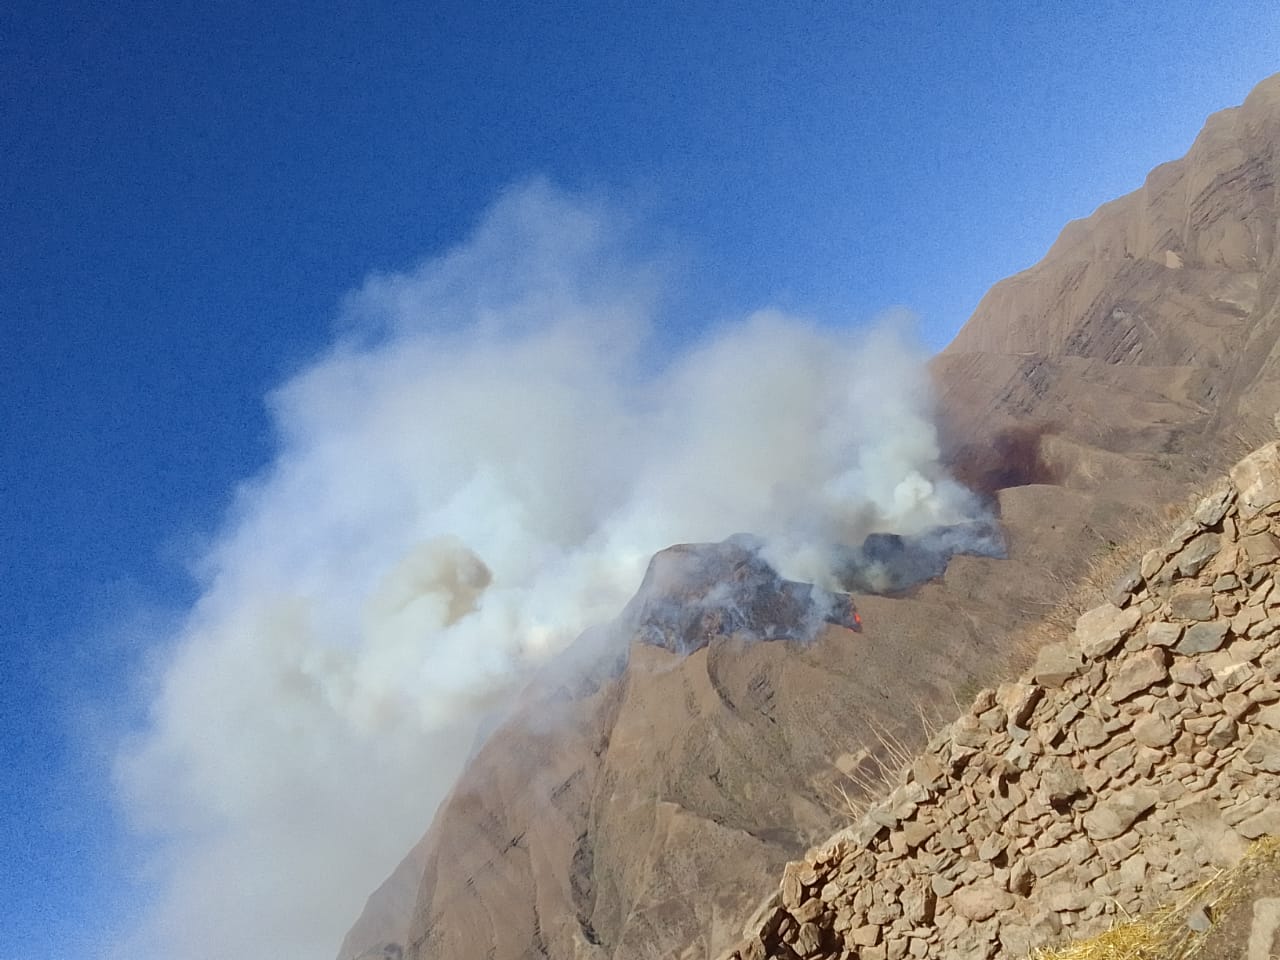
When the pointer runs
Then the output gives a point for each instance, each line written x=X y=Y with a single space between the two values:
x=1132 y=761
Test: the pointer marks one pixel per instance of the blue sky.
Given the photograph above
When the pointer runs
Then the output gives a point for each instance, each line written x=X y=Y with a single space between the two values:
x=191 y=190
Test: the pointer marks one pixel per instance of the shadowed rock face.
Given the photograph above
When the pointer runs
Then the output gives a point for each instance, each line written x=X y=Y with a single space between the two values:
x=651 y=813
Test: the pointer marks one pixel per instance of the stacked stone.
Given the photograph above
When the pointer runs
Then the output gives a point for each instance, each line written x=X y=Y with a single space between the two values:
x=1131 y=762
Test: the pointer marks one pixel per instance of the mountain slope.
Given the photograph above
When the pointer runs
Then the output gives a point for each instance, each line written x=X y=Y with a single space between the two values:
x=1127 y=770
x=641 y=814
x=1149 y=328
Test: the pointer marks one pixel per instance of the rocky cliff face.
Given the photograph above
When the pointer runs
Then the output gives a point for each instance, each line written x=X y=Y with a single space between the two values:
x=634 y=813
x=1148 y=330
x=1132 y=762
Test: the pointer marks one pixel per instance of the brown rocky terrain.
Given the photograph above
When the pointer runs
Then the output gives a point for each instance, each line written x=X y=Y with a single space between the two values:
x=1148 y=330
x=1133 y=762
x=640 y=811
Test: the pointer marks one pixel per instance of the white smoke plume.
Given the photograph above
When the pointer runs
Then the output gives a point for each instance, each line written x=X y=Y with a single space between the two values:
x=479 y=470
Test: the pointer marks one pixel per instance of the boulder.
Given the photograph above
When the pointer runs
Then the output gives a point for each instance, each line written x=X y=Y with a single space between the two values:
x=1116 y=815
x=1139 y=672
x=1119 y=760
x=1089 y=732
x=1203 y=821
x=980 y=901
x=1018 y=700
x=1015 y=939
x=792 y=888
x=867 y=935
x=1268 y=717
x=1262 y=548
x=809 y=911
x=1232 y=676
x=1267 y=822
x=1059 y=783
x=1100 y=630
x=1193 y=558
x=1203 y=637
x=1152 y=561
x=918 y=904
x=1056 y=663
x=1257 y=480
x=1215 y=504
x=1068 y=896
x=808 y=940
x=928 y=771
x=1154 y=731
x=1264 y=751
x=1246 y=618
x=968 y=732
x=1021 y=879
x=1192 y=673
x=1192 y=603
x=1125 y=587
x=917 y=832
x=992 y=847
x=1236 y=704
x=1163 y=634
x=1048 y=860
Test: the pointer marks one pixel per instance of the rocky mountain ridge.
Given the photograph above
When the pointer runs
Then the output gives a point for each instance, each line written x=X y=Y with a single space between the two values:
x=1132 y=761
x=1084 y=394
x=1148 y=328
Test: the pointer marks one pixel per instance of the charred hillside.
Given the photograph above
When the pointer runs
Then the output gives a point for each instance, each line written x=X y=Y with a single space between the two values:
x=696 y=593
x=637 y=816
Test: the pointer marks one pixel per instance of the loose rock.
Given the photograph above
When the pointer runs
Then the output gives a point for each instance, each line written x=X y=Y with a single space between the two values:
x=981 y=901
x=1202 y=637
x=1257 y=480
x=1114 y=817
x=1139 y=672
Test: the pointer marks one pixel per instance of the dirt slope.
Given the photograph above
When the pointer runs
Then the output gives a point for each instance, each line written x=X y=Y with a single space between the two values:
x=643 y=814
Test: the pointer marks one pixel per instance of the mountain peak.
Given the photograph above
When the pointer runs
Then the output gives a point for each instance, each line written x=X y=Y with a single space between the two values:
x=1212 y=214
x=1128 y=364
x=1265 y=95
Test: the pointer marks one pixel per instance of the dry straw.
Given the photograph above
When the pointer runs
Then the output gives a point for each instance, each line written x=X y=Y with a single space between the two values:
x=1164 y=934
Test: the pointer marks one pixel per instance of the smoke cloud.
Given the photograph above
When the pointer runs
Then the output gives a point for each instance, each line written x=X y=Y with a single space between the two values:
x=478 y=470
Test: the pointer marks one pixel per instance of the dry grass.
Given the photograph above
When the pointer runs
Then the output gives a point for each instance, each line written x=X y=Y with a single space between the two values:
x=1164 y=934
x=868 y=779
x=1124 y=540
x=876 y=769
x=1128 y=534
x=1122 y=544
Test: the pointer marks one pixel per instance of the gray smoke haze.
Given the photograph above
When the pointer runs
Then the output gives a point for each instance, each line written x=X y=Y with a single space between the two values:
x=480 y=469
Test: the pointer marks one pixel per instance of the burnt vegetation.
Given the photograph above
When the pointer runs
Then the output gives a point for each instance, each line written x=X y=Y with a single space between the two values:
x=1011 y=457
